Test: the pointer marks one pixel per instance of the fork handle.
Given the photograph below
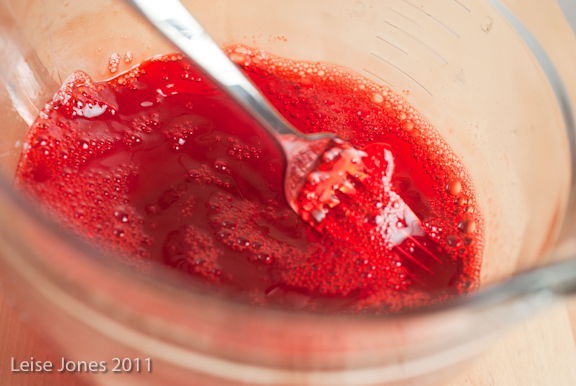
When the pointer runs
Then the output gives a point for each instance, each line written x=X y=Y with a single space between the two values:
x=300 y=151
x=172 y=19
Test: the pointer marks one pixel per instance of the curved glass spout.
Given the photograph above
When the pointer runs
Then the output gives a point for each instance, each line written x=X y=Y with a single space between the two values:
x=22 y=74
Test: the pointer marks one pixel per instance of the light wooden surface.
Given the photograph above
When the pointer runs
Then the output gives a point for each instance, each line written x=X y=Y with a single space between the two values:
x=539 y=352
x=18 y=341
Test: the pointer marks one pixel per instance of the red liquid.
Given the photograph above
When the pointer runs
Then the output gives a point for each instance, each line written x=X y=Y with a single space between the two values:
x=159 y=165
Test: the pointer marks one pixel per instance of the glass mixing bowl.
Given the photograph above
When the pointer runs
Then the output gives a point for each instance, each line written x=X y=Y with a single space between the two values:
x=468 y=66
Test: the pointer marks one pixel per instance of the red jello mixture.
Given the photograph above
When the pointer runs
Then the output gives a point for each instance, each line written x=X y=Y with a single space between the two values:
x=158 y=164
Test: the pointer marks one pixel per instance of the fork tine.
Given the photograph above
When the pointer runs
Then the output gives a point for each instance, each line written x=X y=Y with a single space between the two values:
x=418 y=262
x=422 y=247
x=415 y=279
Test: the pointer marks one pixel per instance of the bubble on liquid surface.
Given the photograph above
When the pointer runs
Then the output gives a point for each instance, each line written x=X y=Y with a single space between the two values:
x=113 y=62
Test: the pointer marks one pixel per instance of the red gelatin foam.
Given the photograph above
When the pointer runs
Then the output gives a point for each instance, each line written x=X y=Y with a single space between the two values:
x=158 y=164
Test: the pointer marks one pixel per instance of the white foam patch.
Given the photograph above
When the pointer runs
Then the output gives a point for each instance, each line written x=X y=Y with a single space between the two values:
x=91 y=111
